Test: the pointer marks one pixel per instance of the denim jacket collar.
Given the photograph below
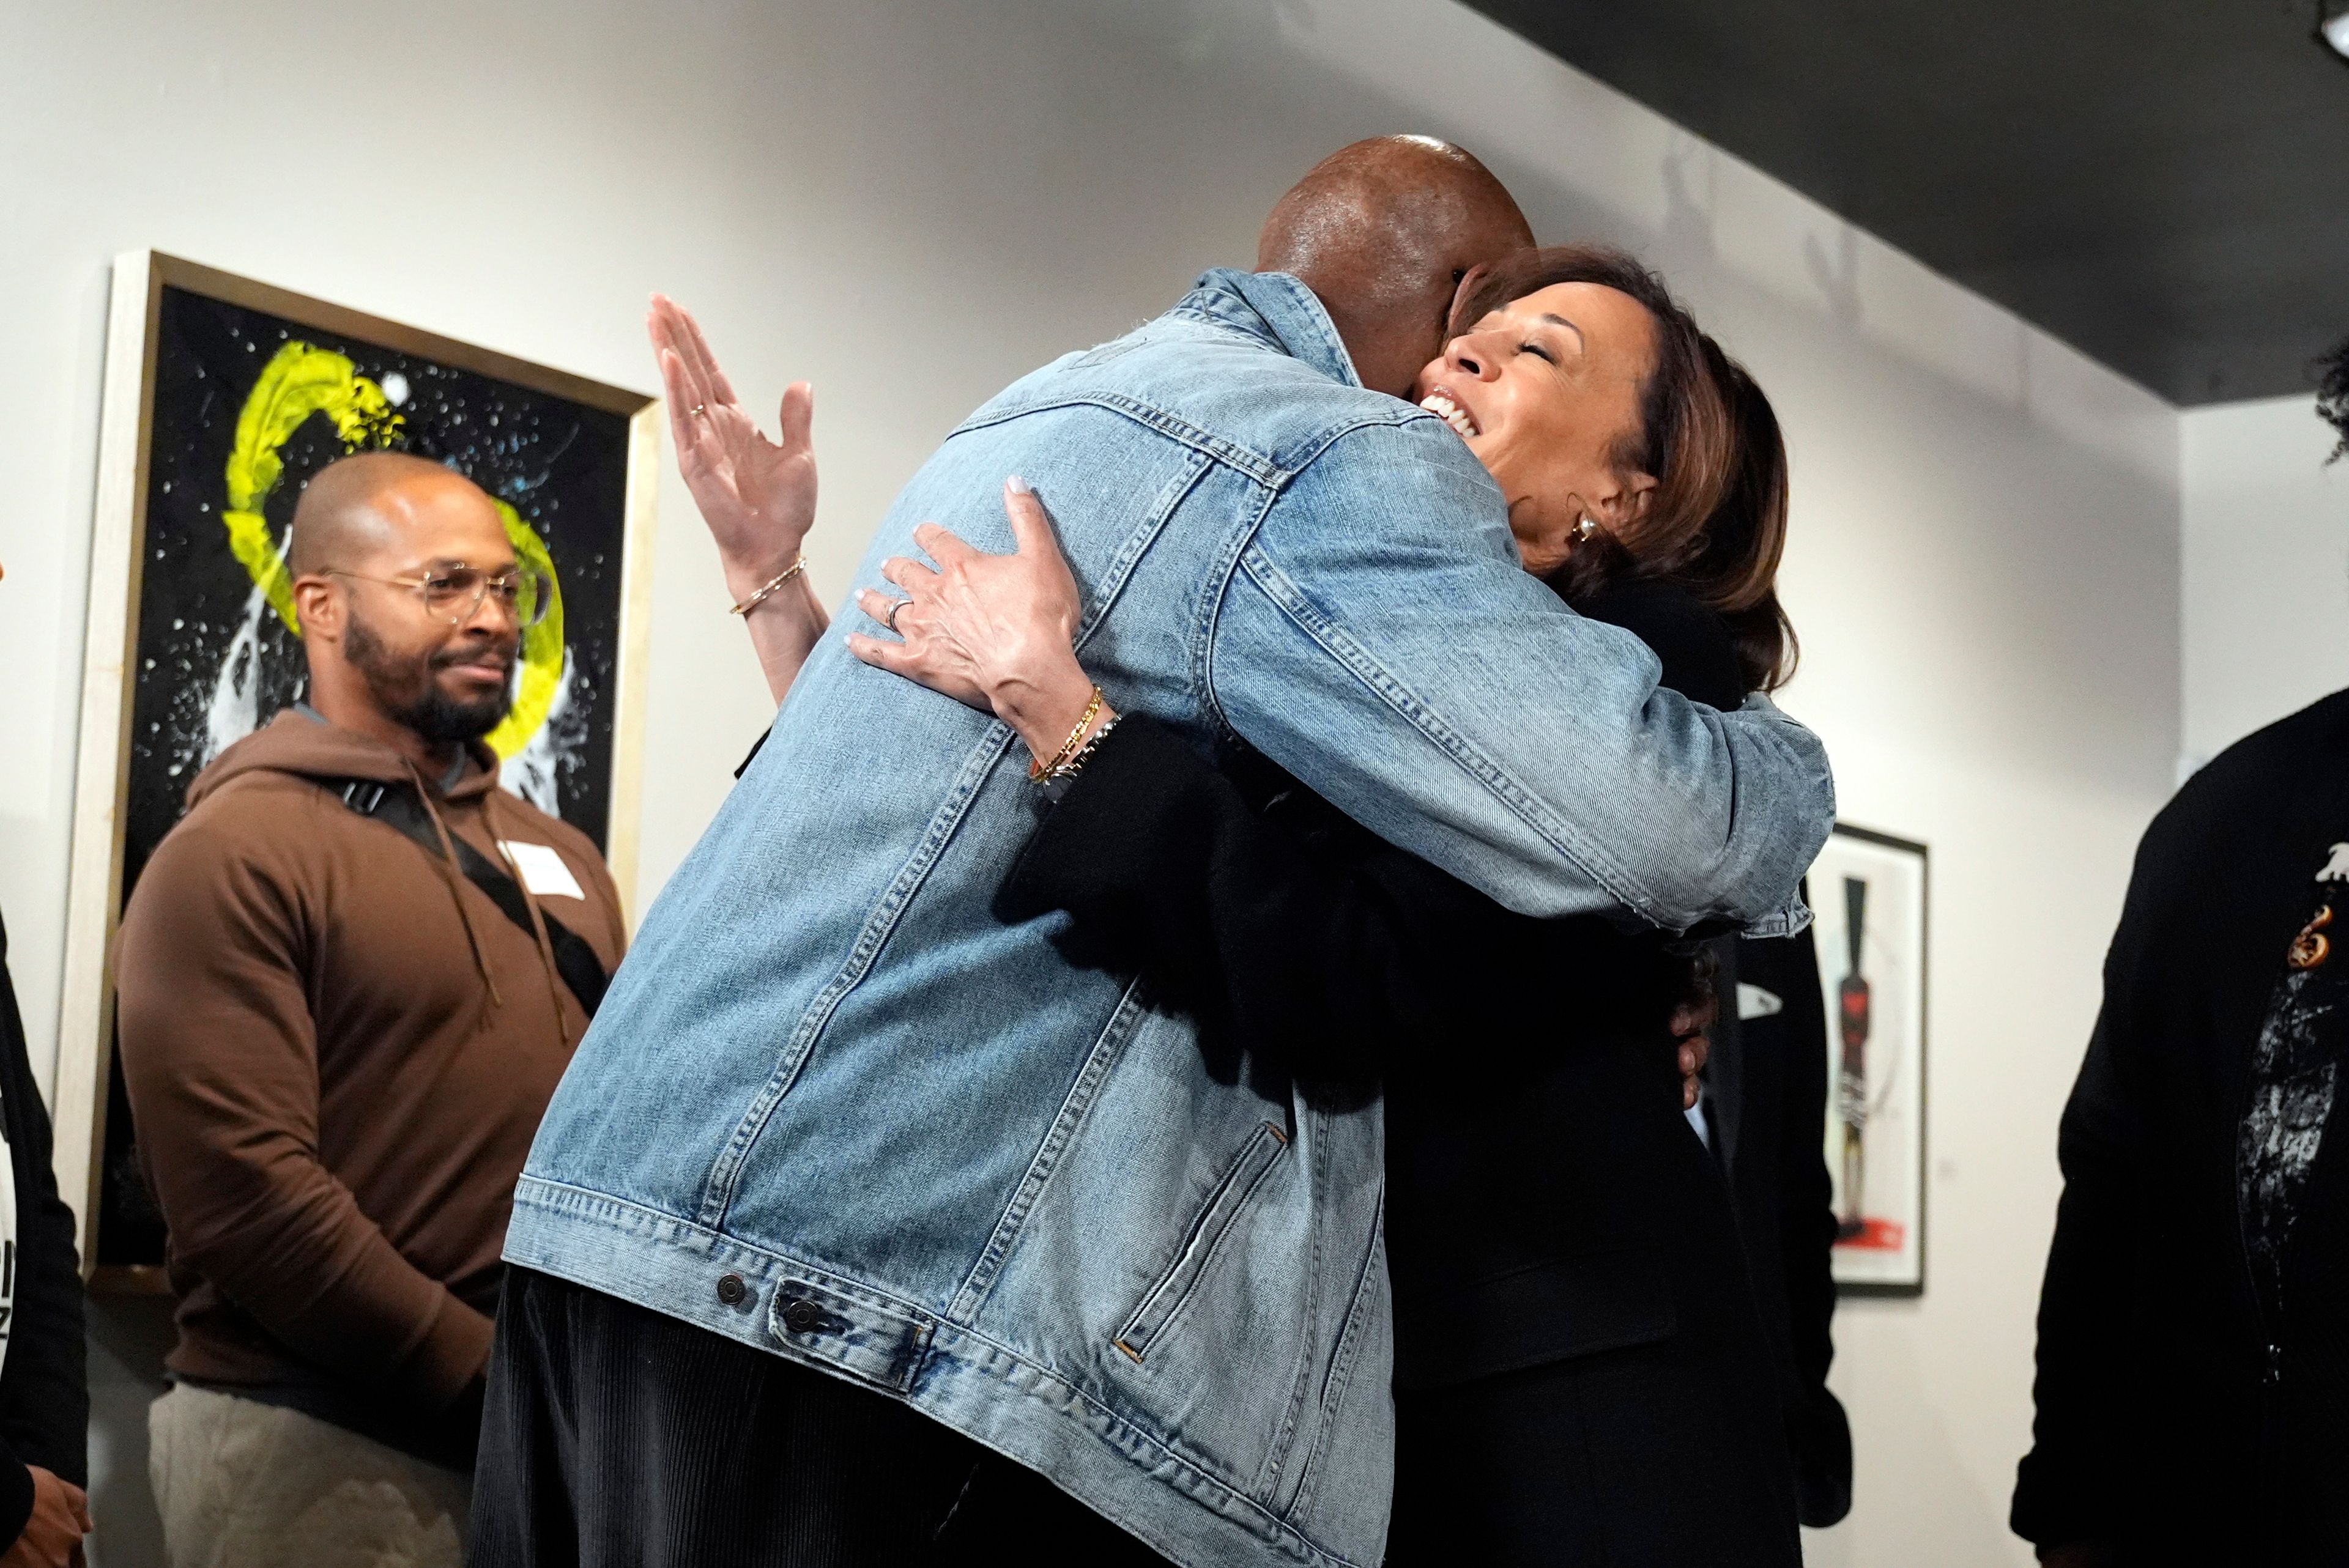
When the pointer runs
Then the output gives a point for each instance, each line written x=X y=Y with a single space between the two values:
x=1276 y=309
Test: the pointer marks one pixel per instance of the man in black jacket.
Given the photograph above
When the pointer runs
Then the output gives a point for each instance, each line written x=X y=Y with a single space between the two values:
x=2193 y=1392
x=44 y=1391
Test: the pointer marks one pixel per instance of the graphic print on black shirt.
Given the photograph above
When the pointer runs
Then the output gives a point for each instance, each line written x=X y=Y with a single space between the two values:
x=2294 y=1069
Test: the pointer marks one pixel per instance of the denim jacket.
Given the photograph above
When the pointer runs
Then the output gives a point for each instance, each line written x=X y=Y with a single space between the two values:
x=834 y=1107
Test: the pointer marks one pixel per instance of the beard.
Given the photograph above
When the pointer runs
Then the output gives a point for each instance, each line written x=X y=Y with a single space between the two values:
x=409 y=689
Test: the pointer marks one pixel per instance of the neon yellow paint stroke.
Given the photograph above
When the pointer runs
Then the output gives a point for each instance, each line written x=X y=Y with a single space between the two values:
x=542 y=645
x=300 y=380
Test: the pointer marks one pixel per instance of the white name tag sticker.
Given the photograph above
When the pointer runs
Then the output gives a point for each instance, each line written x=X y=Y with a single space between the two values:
x=543 y=870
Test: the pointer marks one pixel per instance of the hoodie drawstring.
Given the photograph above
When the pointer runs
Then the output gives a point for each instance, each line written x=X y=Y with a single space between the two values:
x=454 y=875
x=537 y=918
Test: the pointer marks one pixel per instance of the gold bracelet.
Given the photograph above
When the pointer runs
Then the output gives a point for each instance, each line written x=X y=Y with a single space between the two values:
x=755 y=600
x=1076 y=765
x=1040 y=771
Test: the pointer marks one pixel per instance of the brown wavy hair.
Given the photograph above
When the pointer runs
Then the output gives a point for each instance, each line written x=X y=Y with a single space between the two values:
x=1716 y=523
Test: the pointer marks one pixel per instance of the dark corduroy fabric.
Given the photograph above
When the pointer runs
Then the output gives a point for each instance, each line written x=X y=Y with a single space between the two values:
x=618 y=1438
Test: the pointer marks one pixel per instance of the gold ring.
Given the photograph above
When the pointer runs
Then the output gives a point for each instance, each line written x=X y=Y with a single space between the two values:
x=697 y=407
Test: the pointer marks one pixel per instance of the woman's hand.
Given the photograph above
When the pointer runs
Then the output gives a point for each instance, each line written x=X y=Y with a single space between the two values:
x=993 y=631
x=757 y=496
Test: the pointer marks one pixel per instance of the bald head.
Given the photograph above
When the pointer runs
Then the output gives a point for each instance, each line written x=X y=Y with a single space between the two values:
x=359 y=506
x=418 y=666
x=1382 y=232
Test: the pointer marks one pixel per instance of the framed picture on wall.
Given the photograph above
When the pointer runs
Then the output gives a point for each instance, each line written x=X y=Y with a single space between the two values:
x=1869 y=892
x=223 y=398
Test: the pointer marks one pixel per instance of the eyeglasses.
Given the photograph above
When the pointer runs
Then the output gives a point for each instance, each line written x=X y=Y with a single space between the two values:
x=453 y=593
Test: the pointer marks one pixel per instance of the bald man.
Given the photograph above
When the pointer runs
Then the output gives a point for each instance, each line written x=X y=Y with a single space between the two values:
x=867 y=1228
x=349 y=979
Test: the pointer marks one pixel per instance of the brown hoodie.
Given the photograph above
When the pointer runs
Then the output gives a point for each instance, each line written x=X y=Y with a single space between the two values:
x=338 y=1050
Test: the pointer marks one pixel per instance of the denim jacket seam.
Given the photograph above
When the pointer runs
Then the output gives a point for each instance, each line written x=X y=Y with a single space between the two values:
x=1203 y=654
x=734 y=1155
x=1257 y=565
x=978 y=1285
x=1341 y=1365
x=1138 y=544
x=1258 y=466
x=1276 y=1464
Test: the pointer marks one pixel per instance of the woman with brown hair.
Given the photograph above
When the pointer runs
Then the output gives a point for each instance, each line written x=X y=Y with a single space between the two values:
x=1580 y=1377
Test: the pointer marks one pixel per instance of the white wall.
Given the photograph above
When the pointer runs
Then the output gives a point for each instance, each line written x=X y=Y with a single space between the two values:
x=912 y=203
x=2266 y=558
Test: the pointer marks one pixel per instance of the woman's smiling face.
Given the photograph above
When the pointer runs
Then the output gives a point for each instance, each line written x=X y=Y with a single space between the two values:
x=1545 y=390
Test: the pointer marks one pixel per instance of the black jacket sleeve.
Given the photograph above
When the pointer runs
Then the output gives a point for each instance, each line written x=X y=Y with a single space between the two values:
x=1818 y=1428
x=44 y=1387
x=2069 y=1487
x=1326 y=961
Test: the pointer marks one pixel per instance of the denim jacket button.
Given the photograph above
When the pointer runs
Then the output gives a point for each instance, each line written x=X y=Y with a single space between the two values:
x=802 y=1316
x=731 y=1290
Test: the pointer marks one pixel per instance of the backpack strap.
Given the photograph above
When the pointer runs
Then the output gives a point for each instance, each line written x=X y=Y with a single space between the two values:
x=397 y=808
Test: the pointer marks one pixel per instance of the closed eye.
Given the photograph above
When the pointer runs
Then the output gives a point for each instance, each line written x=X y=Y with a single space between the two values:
x=1538 y=351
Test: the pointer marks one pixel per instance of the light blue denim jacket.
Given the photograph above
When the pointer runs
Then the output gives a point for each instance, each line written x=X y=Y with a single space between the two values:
x=935 y=1158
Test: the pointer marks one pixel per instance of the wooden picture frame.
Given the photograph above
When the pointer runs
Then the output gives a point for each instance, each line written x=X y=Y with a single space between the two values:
x=184 y=349
x=1871 y=893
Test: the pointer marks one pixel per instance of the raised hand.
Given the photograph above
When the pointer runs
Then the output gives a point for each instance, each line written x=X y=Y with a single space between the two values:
x=757 y=496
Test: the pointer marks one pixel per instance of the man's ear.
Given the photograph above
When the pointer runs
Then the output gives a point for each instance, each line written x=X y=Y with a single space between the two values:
x=317 y=608
x=1461 y=291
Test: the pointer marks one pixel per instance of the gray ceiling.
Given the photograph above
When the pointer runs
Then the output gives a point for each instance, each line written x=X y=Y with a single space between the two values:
x=2162 y=183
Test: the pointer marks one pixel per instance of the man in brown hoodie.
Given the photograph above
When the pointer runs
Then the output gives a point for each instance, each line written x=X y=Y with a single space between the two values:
x=349 y=979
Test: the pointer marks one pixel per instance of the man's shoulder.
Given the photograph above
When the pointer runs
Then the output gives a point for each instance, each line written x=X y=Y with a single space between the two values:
x=258 y=815
x=2297 y=767
x=260 y=832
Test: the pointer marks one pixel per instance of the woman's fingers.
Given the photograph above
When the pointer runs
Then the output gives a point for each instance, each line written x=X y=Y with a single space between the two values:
x=941 y=545
x=911 y=575
x=877 y=606
x=660 y=326
x=710 y=371
x=702 y=381
x=895 y=657
x=924 y=665
x=681 y=428
x=796 y=419
x=1031 y=528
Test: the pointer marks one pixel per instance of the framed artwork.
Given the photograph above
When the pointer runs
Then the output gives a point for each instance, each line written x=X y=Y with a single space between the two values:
x=223 y=398
x=1869 y=893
